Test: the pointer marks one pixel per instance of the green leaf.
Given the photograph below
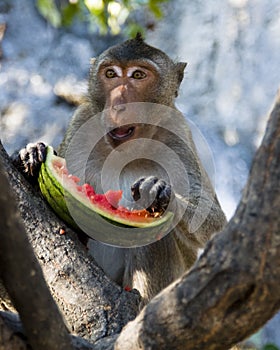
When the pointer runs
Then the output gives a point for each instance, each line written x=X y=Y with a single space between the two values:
x=154 y=6
x=156 y=11
x=132 y=29
x=95 y=13
x=69 y=12
x=270 y=347
x=49 y=11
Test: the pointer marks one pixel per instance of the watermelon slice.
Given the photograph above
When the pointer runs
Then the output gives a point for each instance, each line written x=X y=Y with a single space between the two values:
x=99 y=215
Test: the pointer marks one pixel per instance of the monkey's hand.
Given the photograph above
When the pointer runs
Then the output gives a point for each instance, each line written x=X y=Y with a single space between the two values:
x=152 y=193
x=29 y=159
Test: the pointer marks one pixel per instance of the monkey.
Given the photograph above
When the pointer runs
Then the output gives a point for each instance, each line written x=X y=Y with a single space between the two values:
x=121 y=79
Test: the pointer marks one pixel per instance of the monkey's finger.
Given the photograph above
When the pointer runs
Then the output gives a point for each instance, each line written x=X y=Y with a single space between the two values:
x=147 y=185
x=146 y=196
x=36 y=156
x=161 y=191
x=135 y=188
x=41 y=152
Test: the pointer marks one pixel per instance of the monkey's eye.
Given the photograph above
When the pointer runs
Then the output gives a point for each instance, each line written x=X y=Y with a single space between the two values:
x=110 y=73
x=138 y=74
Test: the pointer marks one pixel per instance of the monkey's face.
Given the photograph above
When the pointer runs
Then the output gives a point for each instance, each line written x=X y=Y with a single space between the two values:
x=124 y=86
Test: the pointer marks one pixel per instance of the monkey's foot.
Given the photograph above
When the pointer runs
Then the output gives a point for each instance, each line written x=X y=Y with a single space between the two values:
x=152 y=193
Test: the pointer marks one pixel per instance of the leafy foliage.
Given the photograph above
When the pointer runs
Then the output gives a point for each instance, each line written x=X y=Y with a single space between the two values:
x=270 y=347
x=111 y=16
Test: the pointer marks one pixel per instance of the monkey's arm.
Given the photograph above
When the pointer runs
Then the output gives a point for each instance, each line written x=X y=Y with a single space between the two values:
x=199 y=218
x=198 y=212
x=151 y=268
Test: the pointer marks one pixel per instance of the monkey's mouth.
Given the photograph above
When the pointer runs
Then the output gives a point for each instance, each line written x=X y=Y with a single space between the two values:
x=122 y=133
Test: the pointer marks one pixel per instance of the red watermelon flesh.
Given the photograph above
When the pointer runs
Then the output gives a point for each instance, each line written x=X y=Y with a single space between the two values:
x=108 y=202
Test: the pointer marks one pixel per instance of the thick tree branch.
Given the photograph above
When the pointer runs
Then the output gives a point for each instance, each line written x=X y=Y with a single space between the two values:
x=234 y=287
x=24 y=281
x=92 y=305
x=12 y=336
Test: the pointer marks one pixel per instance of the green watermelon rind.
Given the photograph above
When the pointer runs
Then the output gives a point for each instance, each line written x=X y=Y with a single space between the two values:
x=54 y=196
x=59 y=198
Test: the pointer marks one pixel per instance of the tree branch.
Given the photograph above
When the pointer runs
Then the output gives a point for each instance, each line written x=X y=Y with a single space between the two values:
x=234 y=287
x=12 y=336
x=92 y=305
x=24 y=280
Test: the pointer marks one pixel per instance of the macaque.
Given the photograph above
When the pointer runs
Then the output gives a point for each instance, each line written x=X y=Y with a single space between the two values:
x=131 y=96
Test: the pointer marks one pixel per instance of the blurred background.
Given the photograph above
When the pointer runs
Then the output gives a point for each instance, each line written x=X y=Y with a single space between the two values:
x=233 y=52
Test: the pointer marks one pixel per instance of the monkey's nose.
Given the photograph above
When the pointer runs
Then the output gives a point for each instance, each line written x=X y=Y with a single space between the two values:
x=119 y=108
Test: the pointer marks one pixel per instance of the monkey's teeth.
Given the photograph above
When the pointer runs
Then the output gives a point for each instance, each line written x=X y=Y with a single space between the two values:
x=121 y=133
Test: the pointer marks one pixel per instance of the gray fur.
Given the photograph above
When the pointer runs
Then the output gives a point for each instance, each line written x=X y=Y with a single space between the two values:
x=151 y=268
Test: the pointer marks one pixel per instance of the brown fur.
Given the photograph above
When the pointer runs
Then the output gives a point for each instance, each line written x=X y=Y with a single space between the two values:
x=150 y=268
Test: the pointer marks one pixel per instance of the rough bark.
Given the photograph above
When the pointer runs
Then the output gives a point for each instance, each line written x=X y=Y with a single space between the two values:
x=24 y=281
x=93 y=307
x=12 y=336
x=234 y=287
x=230 y=292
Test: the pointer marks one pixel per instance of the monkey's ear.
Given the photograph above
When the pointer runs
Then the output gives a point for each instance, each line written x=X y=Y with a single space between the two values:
x=92 y=60
x=180 y=67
